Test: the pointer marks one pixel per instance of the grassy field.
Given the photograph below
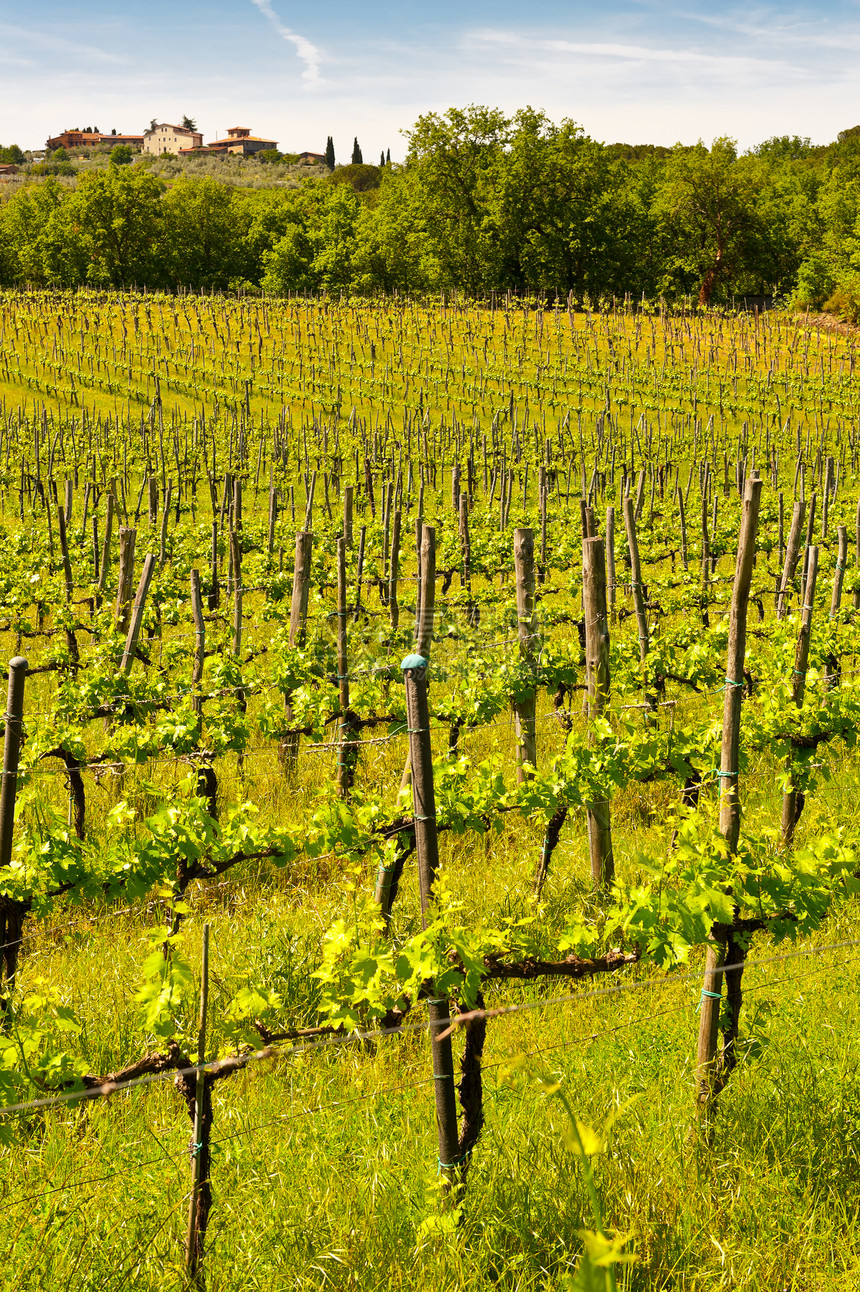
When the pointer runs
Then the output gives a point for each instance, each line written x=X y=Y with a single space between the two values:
x=325 y=1162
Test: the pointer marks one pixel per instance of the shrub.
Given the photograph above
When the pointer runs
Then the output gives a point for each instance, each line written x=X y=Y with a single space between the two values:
x=844 y=302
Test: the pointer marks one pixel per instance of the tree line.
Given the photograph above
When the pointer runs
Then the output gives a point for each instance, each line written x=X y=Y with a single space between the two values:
x=484 y=202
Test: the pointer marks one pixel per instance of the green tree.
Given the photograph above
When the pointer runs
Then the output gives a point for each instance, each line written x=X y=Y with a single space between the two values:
x=188 y=123
x=561 y=210
x=202 y=233
x=456 y=157
x=119 y=213
x=357 y=158
x=393 y=250
x=121 y=154
x=709 y=201
x=329 y=153
x=361 y=177
x=41 y=241
x=318 y=248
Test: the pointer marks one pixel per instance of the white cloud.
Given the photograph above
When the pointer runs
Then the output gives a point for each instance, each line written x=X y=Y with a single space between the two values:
x=529 y=46
x=307 y=52
x=40 y=40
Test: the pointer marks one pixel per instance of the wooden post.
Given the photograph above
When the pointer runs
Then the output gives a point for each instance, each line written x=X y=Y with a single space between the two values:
x=524 y=709
x=236 y=558
x=839 y=572
x=12 y=917
x=126 y=576
x=636 y=580
x=683 y=520
x=214 y=599
x=466 y=552
x=730 y=811
x=137 y=614
x=200 y=1144
x=162 y=545
x=419 y=529
x=543 y=523
x=793 y=799
x=394 y=572
x=289 y=748
x=359 y=572
x=273 y=516
x=856 y=598
x=199 y=641
x=610 y=561
x=387 y=497
x=706 y=560
x=105 y=561
x=348 y=499
x=791 y=554
x=597 y=667
x=309 y=510
x=301 y=587
x=427 y=849
x=64 y=549
x=347 y=752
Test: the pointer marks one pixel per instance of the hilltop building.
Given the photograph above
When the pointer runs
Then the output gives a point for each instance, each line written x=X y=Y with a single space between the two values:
x=72 y=140
x=239 y=143
x=170 y=139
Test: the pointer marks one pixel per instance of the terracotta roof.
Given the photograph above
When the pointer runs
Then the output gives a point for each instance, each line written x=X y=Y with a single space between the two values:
x=243 y=139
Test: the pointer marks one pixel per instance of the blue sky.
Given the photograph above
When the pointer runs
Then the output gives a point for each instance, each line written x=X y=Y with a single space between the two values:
x=634 y=70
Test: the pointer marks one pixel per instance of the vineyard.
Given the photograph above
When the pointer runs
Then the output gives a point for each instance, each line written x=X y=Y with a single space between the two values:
x=429 y=834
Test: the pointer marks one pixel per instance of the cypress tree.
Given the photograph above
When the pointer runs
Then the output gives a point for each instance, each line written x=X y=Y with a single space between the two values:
x=382 y=159
x=388 y=156
x=329 y=153
x=357 y=158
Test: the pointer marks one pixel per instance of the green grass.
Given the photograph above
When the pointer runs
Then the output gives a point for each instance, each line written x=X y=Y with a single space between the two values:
x=325 y=1163
x=325 y=1169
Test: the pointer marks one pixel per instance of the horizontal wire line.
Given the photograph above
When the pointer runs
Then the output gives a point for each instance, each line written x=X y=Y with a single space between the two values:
x=381 y=1092
x=270 y=1053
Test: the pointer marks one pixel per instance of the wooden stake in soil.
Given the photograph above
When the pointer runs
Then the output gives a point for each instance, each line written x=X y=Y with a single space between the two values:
x=524 y=708
x=11 y=917
x=839 y=572
x=199 y=641
x=394 y=570
x=236 y=559
x=137 y=614
x=791 y=555
x=793 y=798
x=636 y=580
x=427 y=848
x=597 y=667
x=730 y=810
x=200 y=1144
x=610 y=561
x=289 y=748
x=347 y=750
x=301 y=587
x=126 y=576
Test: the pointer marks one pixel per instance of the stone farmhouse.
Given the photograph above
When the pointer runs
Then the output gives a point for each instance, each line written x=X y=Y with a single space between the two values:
x=239 y=143
x=73 y=140
x=170 y=139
